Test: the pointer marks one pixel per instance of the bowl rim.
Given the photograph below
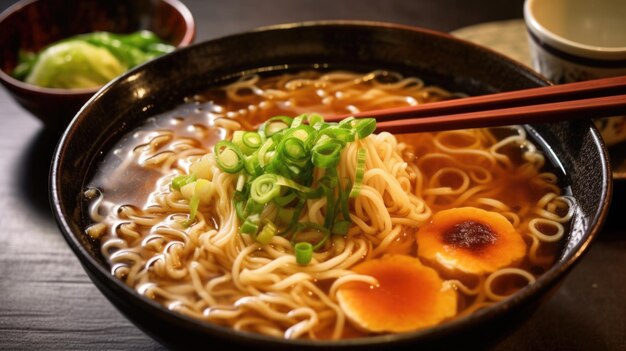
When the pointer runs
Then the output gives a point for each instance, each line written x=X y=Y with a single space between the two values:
x=543 y=282
x=190 y=33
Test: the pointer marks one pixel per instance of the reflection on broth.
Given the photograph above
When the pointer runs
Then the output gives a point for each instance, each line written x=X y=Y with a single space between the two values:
x=466 y=217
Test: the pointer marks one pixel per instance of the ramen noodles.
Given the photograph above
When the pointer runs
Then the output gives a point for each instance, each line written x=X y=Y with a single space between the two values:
x=244 y=208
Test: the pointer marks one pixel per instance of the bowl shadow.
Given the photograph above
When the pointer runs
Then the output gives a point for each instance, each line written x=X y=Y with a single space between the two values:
x=32 y=173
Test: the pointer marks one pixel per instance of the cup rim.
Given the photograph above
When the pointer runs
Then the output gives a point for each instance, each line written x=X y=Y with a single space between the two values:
x=609 y=53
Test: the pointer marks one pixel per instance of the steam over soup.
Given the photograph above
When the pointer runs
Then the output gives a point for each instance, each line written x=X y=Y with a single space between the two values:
x=243 y=207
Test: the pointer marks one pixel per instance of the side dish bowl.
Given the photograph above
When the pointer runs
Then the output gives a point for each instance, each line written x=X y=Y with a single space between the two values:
x=440 y=59
x=32 y=24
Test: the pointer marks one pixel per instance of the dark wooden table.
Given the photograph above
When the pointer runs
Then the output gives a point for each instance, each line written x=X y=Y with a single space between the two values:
x=48 y=302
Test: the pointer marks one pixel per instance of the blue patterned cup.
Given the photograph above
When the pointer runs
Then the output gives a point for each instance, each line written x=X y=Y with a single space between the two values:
x=575 y=40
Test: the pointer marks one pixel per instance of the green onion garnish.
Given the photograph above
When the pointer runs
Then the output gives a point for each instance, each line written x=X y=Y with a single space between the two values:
x=266 y=152
x=344 y=202
x=303 y=252
x=293 y=149
x=253 y=207
x=326 y=154
x=341 y=227
x=276 y=167
x=247 y=142
x=267 y=233
x=194 y=203
x=229 y=157
x=360 y=171
x=252 y=140
x=182 y=180
x=275 y=125
x=285 y=215
x=316 y=121
x=365 y=127
x=265 y=188
x=284 y=200
x=251 y=225
x=239 y=200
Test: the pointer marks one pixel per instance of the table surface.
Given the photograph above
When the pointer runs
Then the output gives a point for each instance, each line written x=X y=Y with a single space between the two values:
x=48 y=302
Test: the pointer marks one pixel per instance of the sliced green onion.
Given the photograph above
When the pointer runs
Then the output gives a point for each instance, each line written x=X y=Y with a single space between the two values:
x=276 y=167
x=298 y=121
x=182 y=180
x=336 y=132
x=252 y=140
x=251 y=165
x=264 y=188
x=310 y=225
x=303 y=252
x=267 y=233
x=323 y=137
x=251 y=225
x=228 y=156
x=345 y=135
x=284 y=200
x=323 y=241
x=230 y=161
x=344 y=200
x=304 y=132
x=194 y=203
x=328 y=184
x=239 y=199
x=347 y=122
x=293 y=150
x=264 y=152
x=238 y=139
x=285 y=215
x=253 y=207
x=297 y=210
x=305 y=191
x=341 y=228
x=316 y=121
x=360 y=171
x=241 y=181
x=275 y=125
x=326 y=154
x=247 y=142
x=329 y=180
x=365 y=127
x=281 y=167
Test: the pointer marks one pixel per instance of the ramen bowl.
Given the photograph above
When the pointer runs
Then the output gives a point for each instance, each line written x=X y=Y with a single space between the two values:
x=31 y=25
x=575 y=148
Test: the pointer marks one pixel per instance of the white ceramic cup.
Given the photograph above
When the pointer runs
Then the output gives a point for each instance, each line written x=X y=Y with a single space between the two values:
x=575 y=40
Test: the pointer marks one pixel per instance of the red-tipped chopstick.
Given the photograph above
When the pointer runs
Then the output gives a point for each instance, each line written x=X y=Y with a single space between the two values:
x=588 y=99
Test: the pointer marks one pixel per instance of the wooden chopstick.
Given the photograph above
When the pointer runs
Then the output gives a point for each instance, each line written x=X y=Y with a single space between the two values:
x=594 y=98
x=541 y=113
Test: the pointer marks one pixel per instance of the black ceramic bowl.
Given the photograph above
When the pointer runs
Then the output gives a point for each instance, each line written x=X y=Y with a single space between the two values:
x=438 y=58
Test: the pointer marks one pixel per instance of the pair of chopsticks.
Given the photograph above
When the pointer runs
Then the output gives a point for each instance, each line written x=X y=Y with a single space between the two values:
x=588 y=99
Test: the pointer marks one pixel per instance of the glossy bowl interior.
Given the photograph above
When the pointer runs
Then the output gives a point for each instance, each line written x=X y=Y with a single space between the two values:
x=575 y=147
x=33 y=24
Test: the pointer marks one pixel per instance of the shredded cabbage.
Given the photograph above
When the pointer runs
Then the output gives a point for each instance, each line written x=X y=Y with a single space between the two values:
x=73 y=65
x=88 y=60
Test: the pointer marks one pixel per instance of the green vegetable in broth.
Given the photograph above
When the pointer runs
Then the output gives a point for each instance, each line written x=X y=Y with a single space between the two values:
x=88 y=60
